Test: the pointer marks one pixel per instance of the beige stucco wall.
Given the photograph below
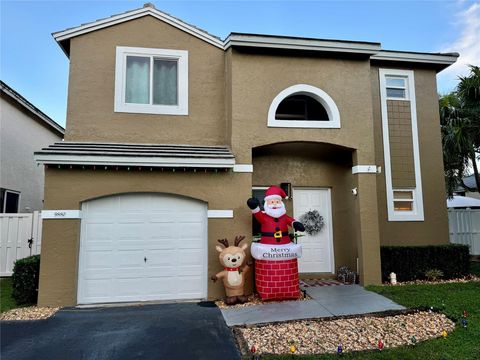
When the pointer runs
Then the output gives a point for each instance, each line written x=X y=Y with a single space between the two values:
x=90 y=115
x=67 y=189
x=434 y=230
x=258 y=78
x=21 y=134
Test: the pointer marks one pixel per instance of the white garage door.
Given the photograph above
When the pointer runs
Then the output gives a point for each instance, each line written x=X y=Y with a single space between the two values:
x=139 y=247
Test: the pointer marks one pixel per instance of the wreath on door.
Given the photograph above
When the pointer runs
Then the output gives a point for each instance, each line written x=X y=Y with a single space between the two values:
x=313 y=222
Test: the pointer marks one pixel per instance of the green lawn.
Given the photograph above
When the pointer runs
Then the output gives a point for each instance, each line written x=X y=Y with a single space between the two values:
x=452 y=299
x=6 y=301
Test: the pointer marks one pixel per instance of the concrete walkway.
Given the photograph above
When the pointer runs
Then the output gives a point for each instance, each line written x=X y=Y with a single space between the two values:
x=327 y=301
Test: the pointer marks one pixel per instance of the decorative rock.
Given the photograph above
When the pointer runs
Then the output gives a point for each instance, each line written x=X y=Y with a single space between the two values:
x=354 y=334
x=29 y=313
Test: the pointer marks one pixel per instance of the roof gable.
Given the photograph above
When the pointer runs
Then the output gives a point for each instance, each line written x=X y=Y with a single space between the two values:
x=63 y=37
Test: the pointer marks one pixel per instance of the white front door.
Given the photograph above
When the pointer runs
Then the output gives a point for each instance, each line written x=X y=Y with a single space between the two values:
x=138 y=247
x=317 y=249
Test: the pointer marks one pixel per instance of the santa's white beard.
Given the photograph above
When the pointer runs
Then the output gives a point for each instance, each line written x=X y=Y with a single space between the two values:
x=276 y=213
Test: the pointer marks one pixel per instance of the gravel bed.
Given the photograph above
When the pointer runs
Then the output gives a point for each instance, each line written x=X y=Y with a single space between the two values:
x=354 y=334
x=29 y=313
x=457 y=280
x=255 y=300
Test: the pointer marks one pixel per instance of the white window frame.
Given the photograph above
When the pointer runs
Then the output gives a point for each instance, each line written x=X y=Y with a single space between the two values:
x=321 y=96
x=4 y=205
x=412 y=200
x=181 y=56
x=406 y=88
x=417 y=214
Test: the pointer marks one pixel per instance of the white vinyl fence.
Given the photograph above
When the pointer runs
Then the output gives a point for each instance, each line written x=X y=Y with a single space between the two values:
x=20 y=236
x=464 y=227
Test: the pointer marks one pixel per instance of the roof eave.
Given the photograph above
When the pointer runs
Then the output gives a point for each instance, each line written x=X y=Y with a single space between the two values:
x=292 y=43
x=19 y=99
x=441 y=61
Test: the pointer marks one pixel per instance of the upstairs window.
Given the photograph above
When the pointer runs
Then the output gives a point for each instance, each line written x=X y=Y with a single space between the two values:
x=396 y=87
x=303 y=106
x=152 y=81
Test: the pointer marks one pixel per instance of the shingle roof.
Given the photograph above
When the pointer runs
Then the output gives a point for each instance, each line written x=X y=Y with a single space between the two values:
x=153 y=155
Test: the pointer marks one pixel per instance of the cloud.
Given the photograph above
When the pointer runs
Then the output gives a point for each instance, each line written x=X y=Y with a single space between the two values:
x=467 y=44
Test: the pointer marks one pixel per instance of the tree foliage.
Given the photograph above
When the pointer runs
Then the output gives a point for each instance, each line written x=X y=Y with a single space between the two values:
x=460 y=124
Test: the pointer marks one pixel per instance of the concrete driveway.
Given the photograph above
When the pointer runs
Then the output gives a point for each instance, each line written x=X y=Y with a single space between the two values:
x=166 y=331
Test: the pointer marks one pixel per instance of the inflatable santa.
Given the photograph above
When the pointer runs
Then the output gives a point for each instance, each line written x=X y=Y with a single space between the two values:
x=276 y=265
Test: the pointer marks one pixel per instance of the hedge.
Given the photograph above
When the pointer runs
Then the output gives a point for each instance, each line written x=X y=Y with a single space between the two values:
x=411 y=262
x=25 y=280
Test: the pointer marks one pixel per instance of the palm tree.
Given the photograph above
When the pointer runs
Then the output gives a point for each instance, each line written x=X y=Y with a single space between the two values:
x=460 y=124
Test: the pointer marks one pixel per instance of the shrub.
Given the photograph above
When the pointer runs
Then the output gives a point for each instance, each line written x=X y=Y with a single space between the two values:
x=412 y=262
x=25 y=280
x=433 y=274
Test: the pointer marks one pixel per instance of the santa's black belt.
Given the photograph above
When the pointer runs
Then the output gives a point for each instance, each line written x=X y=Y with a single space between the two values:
x=275 y=234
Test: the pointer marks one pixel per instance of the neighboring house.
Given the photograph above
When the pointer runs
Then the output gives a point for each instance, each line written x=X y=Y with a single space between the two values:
x=471 y=189
x=170 y=130
x=24 y=129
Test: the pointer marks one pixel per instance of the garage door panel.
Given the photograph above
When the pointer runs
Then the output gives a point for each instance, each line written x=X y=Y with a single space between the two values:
x=190 y=230
x=161 y=217
x=100 y=231
x=98 y=260
x=162 y=230
x=189 y=217
x=191 y=257
x=189 y=270
x=121 y=232
x=162 y=257
x=191 y=243
x=161 y=242
x=95 y=288
x=189 y=285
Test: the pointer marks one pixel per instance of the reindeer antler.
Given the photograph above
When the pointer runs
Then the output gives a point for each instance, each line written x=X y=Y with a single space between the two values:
x=224 y=242
x=238 y=239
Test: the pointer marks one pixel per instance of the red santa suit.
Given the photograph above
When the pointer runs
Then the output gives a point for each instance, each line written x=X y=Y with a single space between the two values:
x=274 y=230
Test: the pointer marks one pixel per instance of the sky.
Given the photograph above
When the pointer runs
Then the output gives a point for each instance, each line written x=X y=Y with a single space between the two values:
x=32 y=63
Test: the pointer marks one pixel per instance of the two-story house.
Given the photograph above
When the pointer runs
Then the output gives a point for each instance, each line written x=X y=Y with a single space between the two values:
x=170 y=130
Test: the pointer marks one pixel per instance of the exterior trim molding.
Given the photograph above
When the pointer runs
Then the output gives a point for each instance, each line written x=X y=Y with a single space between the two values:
x=243 y=168
x=417 y=214
x=285 y=42
x=61 y=214
x=220 y=214
x=364 y=169
x=133 y=161
x=321 y=96
x=444 y=59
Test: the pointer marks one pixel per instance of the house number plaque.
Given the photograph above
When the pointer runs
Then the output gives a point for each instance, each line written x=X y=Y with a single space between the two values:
x=61 y=214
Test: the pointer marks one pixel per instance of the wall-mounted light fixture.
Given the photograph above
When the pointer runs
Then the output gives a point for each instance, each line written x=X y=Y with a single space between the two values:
x=355 y=191
x=287 y=187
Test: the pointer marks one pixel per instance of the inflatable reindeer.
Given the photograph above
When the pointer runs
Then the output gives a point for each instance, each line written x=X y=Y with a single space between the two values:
x=232 y=258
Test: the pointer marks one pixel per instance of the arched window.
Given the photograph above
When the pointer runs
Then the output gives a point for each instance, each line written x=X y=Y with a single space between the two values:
x=303 y=106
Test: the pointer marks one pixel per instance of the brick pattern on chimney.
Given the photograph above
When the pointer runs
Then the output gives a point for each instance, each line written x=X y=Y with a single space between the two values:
x=277 y=280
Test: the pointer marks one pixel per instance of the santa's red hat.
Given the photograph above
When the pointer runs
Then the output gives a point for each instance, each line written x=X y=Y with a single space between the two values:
x=274 y=192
